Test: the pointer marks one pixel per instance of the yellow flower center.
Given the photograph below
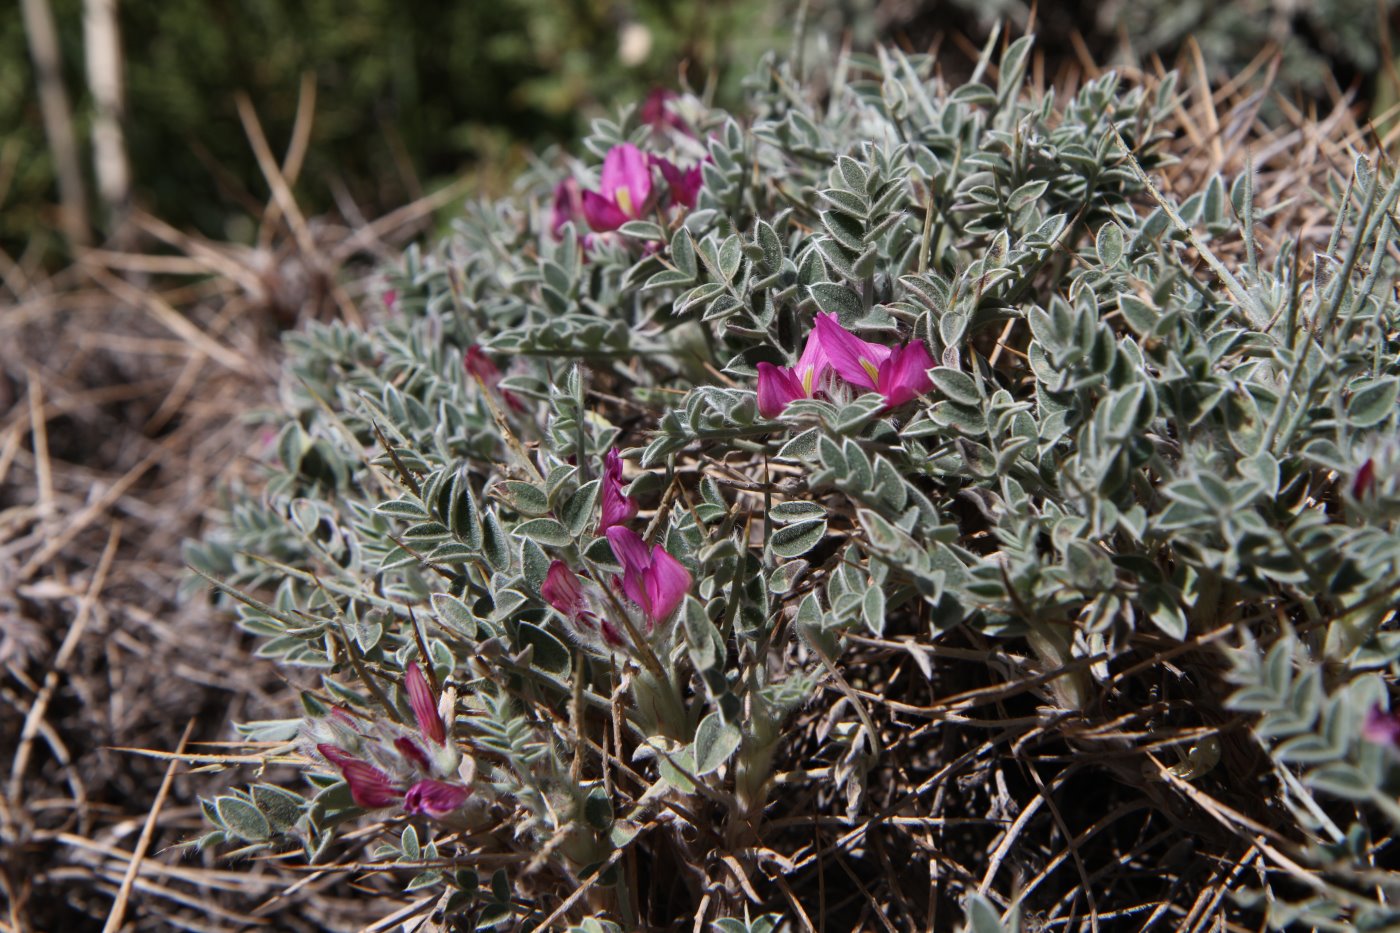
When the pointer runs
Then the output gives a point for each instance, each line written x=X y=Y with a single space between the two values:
x=623 y=197
x=870 y=368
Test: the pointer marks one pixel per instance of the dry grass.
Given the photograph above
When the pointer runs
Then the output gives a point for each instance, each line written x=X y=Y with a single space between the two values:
x=129 y=386
x=126 y=386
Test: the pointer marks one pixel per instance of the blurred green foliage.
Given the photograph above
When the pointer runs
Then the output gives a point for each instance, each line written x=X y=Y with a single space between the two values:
x=411 y=93
x=406 y=93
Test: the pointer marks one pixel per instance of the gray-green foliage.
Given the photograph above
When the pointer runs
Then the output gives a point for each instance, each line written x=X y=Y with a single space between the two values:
x=1140 y=435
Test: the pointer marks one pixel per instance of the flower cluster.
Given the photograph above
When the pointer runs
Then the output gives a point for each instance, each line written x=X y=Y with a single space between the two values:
x=386 y=766
x=652 y=580
x=900 y=374
x=626 y=191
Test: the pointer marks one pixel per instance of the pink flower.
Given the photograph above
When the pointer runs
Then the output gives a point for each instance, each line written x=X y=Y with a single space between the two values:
x=626 y=190
x=563 y=590
x=411 y=752
x=899 y=375
x=424 y=705
x=1381 y=727
x=618 y=508
x=904 y=376
x=684 y=183
x=657 y=114
x=390 y=296
x=651 y=578
x=568 y=205
x=479 y=366
x=434 y=798
x=779 y=385
x=369 y=787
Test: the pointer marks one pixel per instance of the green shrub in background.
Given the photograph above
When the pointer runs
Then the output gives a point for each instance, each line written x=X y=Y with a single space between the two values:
x=404 y=90
x=426 y=89
x=988 y=531
x=1340 y=40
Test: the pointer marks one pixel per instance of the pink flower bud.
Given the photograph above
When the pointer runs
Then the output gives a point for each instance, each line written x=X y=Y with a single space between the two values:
x=424 y=704
x=618 y=508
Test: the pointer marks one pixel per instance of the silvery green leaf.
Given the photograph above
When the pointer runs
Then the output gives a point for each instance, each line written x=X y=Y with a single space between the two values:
x=715 y=741
x=796 y=510
x=243 y=819
x=797 y=539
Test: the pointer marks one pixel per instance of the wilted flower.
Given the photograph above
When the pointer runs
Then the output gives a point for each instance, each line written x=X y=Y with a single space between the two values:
x=424 y=705
x=651 y=578
x=618 y=508
x=1365 y=480
x=563 y=590
x=625 y=189
x=387 y=761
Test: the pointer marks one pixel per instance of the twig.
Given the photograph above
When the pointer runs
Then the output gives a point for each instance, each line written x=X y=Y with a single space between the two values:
x=58 y=119
x=114 y=919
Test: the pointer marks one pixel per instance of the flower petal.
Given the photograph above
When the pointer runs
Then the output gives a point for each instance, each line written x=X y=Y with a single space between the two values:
x=904 y=376
x=424 y=704
x=777 y=386
x=412 y=753
x=434 y=798
x=629 y=549
x=626 y=180
x=814 y=363
x=855 y=360
x=369 y=787
x=667 y=582
x=618 y=508
x=479 y=365
x=568 y=205
x=602 y=214
x=634 y=556
x=562 y=590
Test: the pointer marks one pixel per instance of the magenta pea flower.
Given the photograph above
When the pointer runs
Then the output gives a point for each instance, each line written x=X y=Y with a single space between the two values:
x=656 y=112
x=684 y=184
x=1381 y=727
x=651 y=578
x=625 y=189
x=433 y=798
x=369 y=787
x=900 y=375
x=779 y=385
x=618 y=508
x=563 y=590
